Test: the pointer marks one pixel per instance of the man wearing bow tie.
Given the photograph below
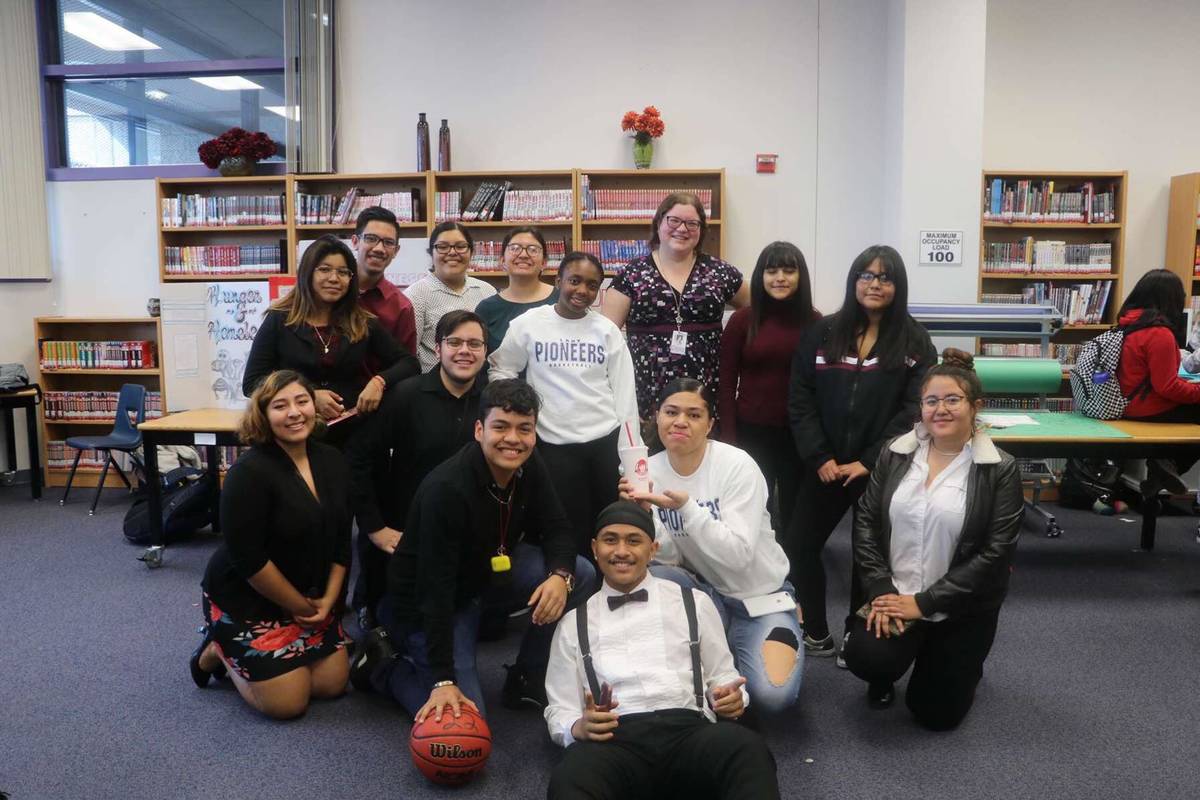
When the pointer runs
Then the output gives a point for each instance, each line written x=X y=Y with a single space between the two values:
x=659 y=654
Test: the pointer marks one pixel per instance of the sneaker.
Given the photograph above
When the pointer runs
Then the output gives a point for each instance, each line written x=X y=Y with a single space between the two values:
x=881 y=695
x=366 y=620
x=374 y=649
x=1165 y=471
x=841 y=653
x=820 y=648
x=523 y=688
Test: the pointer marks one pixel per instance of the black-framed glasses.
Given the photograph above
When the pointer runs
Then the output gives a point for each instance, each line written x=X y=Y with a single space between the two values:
x=446 y=247
x=454 y=342
x=952 y=402
x=326 y=272
x=867 y=277
x=692 y=225
x=372 y=240
x=532 y=249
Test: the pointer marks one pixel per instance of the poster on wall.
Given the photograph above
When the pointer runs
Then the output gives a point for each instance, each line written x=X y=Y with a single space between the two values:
x=207 y=330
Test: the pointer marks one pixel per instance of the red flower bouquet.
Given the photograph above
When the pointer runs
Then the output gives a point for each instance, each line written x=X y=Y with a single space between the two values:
x=645 y=126
x=236 y=143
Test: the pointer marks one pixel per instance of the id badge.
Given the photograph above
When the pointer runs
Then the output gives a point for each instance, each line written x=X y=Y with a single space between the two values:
x=501 y=563
x=678 y=343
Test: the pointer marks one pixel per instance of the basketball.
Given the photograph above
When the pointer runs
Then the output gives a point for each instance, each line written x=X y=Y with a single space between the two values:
x=452 y=751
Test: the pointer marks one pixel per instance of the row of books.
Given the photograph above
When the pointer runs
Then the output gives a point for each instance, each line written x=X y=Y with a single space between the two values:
x=1039 y=201
x=447 y=207
x=1079 y=303
x=333 y=209
x=1031 y=403
x=1030 y=255
x=226 y=453
x=633 y=203
x=76 y=354
x=616 y=253
x=1065 y=353
x=223 y=259
x=60 y=456
x=489 y=256
x=197 y=210
x=92 y=406
x=1197 y=262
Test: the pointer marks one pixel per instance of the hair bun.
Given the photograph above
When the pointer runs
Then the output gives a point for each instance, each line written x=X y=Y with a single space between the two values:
x=953 y=357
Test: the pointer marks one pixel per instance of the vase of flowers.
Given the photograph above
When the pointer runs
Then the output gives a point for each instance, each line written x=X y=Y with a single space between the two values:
x=645 y=128
x=236 y=151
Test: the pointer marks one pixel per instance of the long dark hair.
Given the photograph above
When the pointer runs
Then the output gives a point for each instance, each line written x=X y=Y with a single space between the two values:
x=799 y=307
x=346 y=316
x=1160 y=295
x=895 y=328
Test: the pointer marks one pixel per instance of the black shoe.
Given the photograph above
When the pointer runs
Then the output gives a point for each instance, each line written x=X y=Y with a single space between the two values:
x=374 y=649
x=881 y=695
x=1165 y=472
x=366 y=620
x=523 y=688
x=201 y=676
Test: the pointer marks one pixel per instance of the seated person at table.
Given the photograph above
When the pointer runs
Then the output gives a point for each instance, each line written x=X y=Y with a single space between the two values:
x=934 y=541
x=1153 y=321
x=714 y=533
x=485 y=529
x=656 y=651
x=423 y=421
x=271 y=588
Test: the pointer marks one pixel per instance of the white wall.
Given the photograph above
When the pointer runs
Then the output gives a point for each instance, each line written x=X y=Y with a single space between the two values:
x=1098 y=85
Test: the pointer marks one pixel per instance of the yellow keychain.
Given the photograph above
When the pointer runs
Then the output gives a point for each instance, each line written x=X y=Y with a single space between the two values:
x=501 y=562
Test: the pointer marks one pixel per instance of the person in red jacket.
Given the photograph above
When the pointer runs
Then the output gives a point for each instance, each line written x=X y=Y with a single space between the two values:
x=1152 y=317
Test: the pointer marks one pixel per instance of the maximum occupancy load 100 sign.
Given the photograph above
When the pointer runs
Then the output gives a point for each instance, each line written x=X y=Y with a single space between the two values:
x=941 y=248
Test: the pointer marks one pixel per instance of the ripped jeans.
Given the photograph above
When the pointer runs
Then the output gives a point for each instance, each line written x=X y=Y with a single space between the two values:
x=746 y=636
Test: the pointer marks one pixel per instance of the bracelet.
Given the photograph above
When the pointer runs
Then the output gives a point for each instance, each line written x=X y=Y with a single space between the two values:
x=381 y=379
x=440 y=684
x=567 y=577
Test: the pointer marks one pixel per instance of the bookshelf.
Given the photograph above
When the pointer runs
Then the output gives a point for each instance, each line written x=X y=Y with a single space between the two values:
x=1060 y=235
x=1183 y=225
x=90 y=329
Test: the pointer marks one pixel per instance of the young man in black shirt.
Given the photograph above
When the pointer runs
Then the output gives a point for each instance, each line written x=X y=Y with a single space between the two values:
x=485 y=528
x=423 y=420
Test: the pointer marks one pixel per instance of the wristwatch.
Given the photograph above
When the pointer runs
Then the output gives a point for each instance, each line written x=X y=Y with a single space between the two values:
x=567 y=577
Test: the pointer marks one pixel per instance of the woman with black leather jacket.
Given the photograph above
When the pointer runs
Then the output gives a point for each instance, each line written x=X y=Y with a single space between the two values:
x=934 y=540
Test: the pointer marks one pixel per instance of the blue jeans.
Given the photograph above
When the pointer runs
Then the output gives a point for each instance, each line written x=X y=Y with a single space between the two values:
x=747 y=635
x=408 y=679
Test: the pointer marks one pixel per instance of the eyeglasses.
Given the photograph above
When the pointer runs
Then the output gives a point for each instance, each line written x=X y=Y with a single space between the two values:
x=342 y=273
x=532 y=249
x=950 y=401
x=674 y=222
x=867 y=277
x=453 y=342
x=372 y=240
x=446 y=247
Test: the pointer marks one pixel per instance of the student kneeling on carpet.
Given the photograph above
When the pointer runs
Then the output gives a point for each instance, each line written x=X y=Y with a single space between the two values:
x=271 y=589
x=485 y=529
x=934 y=541
x=656 y=651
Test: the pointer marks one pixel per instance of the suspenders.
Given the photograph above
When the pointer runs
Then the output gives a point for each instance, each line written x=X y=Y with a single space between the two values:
x=689 y=607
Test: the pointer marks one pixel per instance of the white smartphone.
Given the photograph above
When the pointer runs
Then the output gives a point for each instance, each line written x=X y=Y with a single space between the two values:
x=770 y=604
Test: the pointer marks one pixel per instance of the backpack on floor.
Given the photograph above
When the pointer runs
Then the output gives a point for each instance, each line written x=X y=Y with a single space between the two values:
x=1086 y=480
x=185 y=507
x=1095 y=389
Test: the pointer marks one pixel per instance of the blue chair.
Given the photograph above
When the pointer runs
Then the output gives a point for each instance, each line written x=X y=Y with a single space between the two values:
x=125 y=437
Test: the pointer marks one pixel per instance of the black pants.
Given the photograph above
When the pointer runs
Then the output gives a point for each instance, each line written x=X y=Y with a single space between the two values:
x=661 y=754
x=949 y=658
x=1188 y=412
x=773 y=449
x=818 y=510
x=585 y=478
x=371 y=583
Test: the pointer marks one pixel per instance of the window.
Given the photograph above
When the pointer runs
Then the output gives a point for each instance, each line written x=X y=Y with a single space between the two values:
x=133 y=87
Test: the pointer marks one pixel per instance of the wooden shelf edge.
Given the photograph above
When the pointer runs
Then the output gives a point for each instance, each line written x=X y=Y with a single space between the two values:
x=147 y=372
x=1056 y=225
x=1049 y=276
x=223 y=228
x=241 y=276
x=93 y=320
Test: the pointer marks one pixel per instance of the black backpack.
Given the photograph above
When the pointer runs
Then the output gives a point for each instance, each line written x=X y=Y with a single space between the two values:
x=186 y=507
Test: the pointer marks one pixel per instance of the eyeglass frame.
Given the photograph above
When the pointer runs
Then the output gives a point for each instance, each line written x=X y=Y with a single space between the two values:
x=444 y=248
x=455 y=342
x=958 y=401
x=516 y=248
x=372 y=239
x=866 y=277
x=343 y=273
x=673 y=222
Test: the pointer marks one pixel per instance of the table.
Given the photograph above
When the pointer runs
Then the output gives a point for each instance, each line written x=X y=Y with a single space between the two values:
x=201 y=427
x=1136 y=440
x=28 y=400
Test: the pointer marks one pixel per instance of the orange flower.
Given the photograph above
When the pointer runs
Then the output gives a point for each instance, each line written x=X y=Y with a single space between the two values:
x=277 y=639
x=629 y=120
x=650 y=111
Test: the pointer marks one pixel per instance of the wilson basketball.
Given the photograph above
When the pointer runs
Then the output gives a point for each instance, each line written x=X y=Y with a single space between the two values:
x=452 y=751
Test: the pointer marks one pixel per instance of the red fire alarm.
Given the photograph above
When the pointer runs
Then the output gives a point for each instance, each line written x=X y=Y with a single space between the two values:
x=766 y=161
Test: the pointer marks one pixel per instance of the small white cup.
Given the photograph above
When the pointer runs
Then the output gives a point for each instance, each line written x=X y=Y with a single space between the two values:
x=635 y=466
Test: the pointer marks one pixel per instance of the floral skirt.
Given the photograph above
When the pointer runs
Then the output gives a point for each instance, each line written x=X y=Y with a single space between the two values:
x=259 y=650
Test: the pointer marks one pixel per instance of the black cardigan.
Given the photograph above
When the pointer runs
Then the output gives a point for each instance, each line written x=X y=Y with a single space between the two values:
x=269 y=514
x=278 y=346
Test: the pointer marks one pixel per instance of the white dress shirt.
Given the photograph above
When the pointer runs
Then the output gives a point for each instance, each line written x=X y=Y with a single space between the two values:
x=927 y=521
x=641 y=651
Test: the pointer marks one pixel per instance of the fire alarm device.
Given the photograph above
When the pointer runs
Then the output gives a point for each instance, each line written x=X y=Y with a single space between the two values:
x=766 y=161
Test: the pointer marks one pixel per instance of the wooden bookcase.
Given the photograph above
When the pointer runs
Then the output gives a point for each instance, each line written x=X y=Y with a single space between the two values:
x=368 y=184
x=1112 y=233
x=1183 y=225
x=84 y=380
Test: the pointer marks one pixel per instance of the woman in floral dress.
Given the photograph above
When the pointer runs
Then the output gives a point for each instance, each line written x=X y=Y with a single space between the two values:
x=671 y=302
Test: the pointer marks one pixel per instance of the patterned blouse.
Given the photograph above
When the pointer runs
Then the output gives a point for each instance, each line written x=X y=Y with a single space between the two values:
x=656 y=311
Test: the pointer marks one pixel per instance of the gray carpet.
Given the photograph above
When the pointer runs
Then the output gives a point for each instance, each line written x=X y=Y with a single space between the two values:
x=1090 y=692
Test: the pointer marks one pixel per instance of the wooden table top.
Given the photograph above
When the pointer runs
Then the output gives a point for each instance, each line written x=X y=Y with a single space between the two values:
x=30 y=392
x=200 y=420
x=1139 y=432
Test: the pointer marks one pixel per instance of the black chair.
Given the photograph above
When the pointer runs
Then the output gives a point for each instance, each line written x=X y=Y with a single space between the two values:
x=125 y=437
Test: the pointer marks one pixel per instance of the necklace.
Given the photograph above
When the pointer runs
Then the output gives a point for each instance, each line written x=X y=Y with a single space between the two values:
x=321 y=338
x=943 y=452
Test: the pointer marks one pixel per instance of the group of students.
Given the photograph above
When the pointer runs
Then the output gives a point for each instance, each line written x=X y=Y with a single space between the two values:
x=476 y=496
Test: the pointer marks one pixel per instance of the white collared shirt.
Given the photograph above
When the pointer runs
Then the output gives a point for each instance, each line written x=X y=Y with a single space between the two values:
x=431 y=299
x=927 y=522
x=641 y=651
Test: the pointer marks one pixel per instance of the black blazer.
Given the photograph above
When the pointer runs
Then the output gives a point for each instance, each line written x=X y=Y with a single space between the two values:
x=278 y=346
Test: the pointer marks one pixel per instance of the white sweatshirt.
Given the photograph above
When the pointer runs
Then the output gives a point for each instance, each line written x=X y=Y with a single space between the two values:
x=723 y=533
x=581 y=368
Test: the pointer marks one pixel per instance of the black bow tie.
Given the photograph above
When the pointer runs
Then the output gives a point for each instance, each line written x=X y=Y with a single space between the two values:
x=618 y=600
